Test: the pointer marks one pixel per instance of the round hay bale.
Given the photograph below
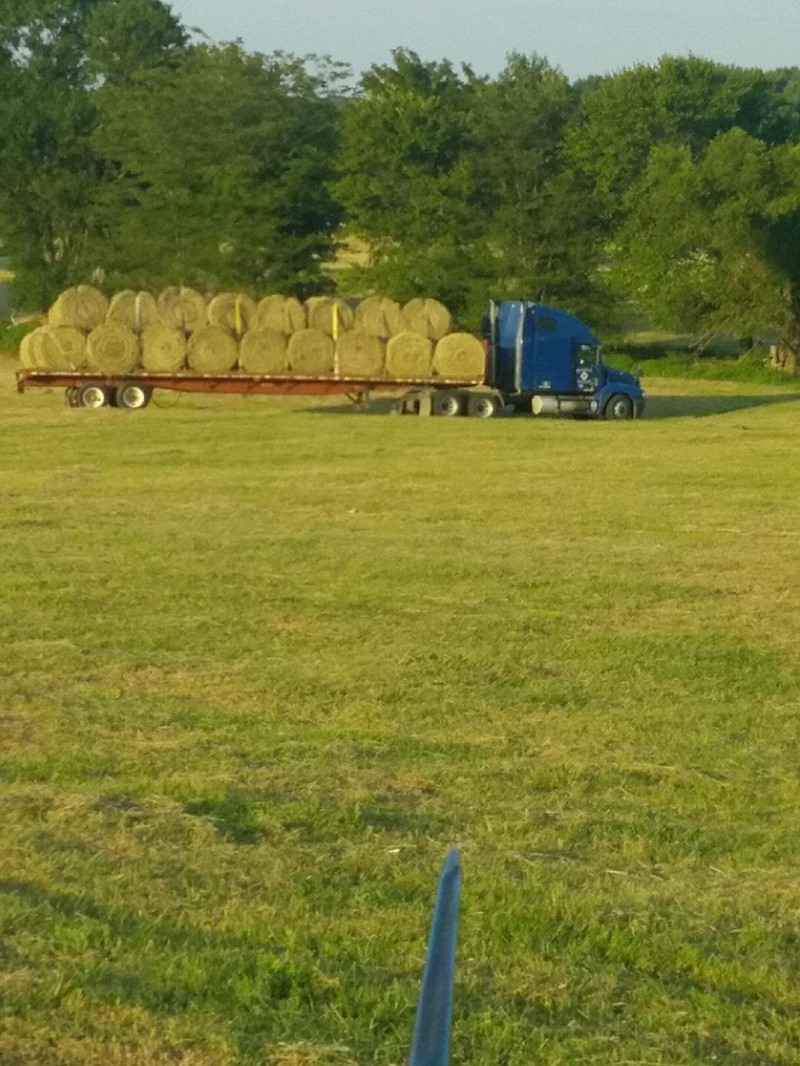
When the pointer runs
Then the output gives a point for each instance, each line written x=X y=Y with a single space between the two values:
x=234 y=311
x=183 y=308
x=133 y=310
x=310 y=353
x=283 y=313
x=212 y=350
x=263 y=351
x=459 y=356
x=409 y=355
x=112 y=349
x=379 y=316
x=163 y=348
x=60 y=348
x=329 y=314
x=83 y=307
x=29 y=349
x=360 y=355
x=428 y=317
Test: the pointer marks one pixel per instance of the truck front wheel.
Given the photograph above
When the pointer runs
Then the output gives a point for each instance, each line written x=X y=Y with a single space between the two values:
x=619 y=407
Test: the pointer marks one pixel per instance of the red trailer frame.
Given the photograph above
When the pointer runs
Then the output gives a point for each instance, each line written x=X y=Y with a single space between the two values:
x=241 y=384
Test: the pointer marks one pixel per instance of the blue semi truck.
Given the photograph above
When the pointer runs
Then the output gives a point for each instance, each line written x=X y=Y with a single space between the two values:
x=538 y=360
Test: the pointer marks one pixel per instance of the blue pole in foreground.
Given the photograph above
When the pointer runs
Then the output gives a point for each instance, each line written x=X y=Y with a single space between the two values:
x=431 y=1043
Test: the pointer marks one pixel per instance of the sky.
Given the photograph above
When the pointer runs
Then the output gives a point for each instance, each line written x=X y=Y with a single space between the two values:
x=581 y=37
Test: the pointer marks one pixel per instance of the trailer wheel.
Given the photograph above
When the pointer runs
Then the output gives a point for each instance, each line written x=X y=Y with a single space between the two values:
x=482 y=405
x=70 y=397
x=132 y=396
x=447 y=404
x=619 y=407
x=92 y=396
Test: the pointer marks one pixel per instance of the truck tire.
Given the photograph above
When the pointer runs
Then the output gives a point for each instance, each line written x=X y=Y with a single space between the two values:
x=482 y=405
x=133 y=396
x=447 y=403
x=619 y=407
x=92 y=396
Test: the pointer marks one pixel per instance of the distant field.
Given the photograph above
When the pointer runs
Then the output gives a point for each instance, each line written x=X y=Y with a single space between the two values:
x=263 y=661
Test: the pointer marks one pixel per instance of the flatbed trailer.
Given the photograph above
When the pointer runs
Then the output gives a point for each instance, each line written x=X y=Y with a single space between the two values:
x=133 y=391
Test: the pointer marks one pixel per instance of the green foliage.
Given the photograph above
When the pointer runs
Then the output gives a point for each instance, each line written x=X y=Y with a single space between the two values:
x=127 y=36
x=680 y=102
x=11 y=334
x=752 y=367
x=713 y=244
x=51 y=176
x=220 y=181
x=542 y=225
x=407 y=184
x=459 y=187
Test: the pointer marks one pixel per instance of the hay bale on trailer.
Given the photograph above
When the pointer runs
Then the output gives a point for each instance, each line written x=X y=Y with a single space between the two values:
x=379 y=316
x=428 y=317
x=163 y=348
x=183 y=308
x=83 y=307
x=133 y=310
x=29 y=350
x=263 y=351
x=283 y=313
x=459 y=357
x=212 y=350
x=409 y=357
x=311 y=354
x=329 y=314
x=360 y=355
x=60 y=348
x=234 y=311
x=111 y=349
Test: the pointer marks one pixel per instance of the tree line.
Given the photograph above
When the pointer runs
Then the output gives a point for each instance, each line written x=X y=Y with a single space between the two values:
x=137 y=154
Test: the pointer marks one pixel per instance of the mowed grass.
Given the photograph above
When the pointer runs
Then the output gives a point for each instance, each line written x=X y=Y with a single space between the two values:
x=264 y=661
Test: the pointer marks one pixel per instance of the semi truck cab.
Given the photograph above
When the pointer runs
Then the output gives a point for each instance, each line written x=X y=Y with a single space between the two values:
x=549 y=362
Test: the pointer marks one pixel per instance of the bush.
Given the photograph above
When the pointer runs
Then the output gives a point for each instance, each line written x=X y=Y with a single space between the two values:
x=11 y=334
x=753 y=367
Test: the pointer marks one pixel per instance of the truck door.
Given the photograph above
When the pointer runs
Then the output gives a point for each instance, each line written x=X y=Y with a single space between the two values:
x=548 y=353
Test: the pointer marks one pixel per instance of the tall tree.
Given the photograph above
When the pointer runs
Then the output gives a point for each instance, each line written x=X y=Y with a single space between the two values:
x=713 y=244
x=541 y=220
x=50 y=174
x=407 y=183
x=222 y=178
x=679 y=101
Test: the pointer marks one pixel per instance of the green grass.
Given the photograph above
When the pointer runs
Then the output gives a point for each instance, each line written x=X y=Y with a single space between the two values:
x=264 y=661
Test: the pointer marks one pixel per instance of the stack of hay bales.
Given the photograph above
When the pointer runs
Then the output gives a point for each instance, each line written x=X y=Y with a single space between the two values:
x=181 y=331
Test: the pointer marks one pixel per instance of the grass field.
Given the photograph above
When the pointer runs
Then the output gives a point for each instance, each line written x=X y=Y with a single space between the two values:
x=263 y=661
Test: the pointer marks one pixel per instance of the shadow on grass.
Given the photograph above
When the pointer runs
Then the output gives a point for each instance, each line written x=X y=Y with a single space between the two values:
x=266 y=985
x=658 y=407
x=678 y=406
